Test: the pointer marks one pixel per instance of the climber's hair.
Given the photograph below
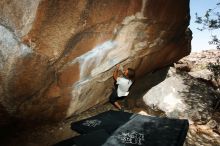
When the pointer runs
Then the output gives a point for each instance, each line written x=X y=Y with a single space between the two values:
x=131 y=73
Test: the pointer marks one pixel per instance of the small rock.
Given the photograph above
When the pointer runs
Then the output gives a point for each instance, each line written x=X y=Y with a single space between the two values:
x=143 y=113
x=183 y=67
x=190 y=121
x=204 y=74
x=215 y=83
x=212 y=124
x=196 y=116
x=172 y=71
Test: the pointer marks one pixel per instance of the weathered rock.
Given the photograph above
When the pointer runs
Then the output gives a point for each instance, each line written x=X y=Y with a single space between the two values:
x=24 y=73
x=165 y=96
x=212 y=124
x=183 y=67
x=201 y=135
x=57 y=57
x=18 y=16
x=182 y=97
x=204 y=74
x=199 y=66
x=199 y=60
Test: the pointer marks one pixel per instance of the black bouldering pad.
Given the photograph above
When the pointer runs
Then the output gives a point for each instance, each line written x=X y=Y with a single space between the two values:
x=150 y=131
x=127 y=129
x=95 y=138
x=109 y=121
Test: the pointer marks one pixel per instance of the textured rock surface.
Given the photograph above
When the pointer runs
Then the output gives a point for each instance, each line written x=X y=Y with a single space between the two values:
x=199 y=60
x=186 y=93
x=57 y=57
x=182 y=97
x=198 y=63
x=18 y=16
x=202 y=74
x=189 y=94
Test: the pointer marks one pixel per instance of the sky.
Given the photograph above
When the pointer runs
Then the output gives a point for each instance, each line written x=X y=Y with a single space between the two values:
x=201 y=39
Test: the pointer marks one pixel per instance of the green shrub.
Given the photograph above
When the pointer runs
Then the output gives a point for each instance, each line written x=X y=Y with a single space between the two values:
x=215 y=68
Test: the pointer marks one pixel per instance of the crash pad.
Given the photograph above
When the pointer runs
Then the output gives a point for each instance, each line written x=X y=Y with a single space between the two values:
x=128 y=129
x=149 y=131
x=109 y=120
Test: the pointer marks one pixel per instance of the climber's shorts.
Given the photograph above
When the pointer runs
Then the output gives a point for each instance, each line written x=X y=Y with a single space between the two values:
x=114 y=96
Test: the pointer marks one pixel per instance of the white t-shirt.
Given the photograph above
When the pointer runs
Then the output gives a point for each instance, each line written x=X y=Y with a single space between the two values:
x=123 y=86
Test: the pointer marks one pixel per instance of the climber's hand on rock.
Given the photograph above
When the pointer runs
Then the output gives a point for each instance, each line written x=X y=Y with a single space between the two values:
x=118 y=66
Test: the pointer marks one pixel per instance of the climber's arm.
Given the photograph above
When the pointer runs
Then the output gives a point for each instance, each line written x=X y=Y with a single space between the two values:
x=115 y=74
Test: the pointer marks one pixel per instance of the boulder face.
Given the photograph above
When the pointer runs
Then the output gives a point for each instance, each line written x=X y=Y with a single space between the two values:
x=189 y=94
x=57 y=57
x=182 y=97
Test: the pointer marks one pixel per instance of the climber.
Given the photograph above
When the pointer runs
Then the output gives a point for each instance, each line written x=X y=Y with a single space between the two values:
x=122 y=86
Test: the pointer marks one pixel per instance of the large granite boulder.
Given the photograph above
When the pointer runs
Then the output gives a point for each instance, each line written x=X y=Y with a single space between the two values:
x=57 y=57
x=182 y=96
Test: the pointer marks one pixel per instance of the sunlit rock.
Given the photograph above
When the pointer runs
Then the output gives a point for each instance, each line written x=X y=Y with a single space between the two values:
x=204 y=74
x=167 y=96
x=182 y=97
